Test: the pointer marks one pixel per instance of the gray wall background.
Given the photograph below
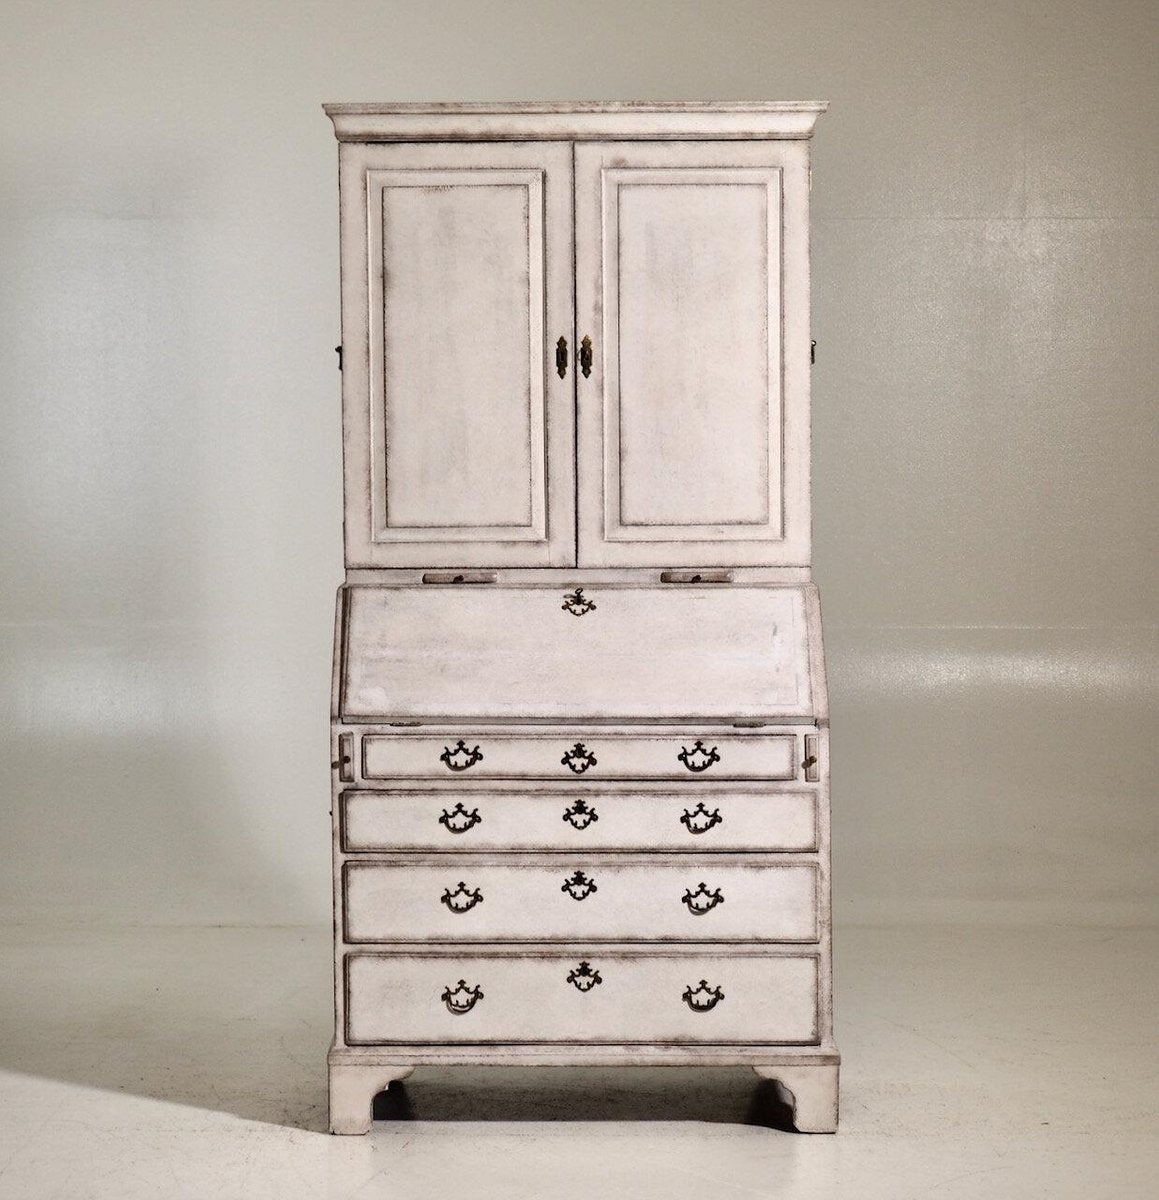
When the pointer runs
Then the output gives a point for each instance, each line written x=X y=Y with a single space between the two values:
x=985 y=257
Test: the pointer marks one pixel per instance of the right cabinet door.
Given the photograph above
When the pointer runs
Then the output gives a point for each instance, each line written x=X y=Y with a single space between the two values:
x=692 y=285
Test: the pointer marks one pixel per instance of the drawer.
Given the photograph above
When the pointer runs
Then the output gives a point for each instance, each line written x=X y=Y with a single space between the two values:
x=580 y=818
x=576 y=754
x=479 y=898
x=598 y=996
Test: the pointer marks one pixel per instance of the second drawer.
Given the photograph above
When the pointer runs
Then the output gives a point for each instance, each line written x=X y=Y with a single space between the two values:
x=734 y=819
x=475 y=898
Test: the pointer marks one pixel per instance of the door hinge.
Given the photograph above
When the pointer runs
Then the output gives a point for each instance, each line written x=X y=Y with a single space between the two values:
x=338 y=351
x=812 y=352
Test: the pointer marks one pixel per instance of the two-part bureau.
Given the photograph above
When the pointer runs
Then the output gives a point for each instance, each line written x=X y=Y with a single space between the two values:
x=579 y=716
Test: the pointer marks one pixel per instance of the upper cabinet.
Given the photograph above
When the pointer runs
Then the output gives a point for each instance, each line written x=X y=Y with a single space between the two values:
x=576 y=350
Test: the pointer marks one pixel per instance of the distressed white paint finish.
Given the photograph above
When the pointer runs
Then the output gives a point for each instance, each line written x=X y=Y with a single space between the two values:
x=457 y=349
x=642 y=653
x=581 y=753
x=812 y=1091
x=691 y=264
x=456 y=282
x=350 y=1085
x=575 y=819
x=526 y=997
x=536 y=788
x=574 y=120
x=579 y=899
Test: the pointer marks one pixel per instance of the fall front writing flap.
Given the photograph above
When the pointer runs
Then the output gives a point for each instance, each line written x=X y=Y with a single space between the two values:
x=659 y=653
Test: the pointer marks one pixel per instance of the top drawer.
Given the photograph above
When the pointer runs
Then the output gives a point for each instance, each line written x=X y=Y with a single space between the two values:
x=573 y=754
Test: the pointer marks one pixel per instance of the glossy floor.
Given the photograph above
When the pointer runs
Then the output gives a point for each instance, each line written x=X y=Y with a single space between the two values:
x=1006 y=1063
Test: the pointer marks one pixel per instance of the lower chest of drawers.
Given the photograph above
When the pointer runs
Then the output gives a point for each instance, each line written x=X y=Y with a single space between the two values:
x=568 y=887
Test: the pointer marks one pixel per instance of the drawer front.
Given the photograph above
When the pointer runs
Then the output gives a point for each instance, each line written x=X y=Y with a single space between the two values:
x=577 y=755
x=571 y=819
x=472 y=898
x=595 y=997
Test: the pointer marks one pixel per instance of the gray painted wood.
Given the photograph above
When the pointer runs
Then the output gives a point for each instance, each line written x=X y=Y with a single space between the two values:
x=578 y=828
x=575 y=818
x=457 y=282
x=641 y=653
x=693 y=426
x=477 y=898
x=397 y=997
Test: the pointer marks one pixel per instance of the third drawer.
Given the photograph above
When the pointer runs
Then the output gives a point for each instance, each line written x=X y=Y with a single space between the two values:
x=717 y=818
x=482 y=898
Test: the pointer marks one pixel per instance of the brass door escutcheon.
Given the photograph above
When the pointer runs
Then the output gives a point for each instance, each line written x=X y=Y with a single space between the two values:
x=586 y=356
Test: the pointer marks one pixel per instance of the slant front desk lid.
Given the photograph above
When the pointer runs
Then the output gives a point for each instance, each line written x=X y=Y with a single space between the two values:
x=657 y=653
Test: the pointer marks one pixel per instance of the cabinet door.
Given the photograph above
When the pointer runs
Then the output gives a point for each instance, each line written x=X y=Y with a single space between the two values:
x=692 y=284
x=456 y=286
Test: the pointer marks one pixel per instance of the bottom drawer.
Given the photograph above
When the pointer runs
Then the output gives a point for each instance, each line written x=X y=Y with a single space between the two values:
x=608 y=997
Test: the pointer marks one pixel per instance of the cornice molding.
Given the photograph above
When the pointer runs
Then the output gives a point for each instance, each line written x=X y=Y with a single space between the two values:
x=574 y=121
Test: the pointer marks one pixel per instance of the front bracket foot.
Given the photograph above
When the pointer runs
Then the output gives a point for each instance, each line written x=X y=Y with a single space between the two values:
x=353 y=1087
x=812 y=1091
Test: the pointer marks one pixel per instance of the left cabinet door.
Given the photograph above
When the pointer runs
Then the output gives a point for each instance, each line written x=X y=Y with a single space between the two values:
x=458 y=430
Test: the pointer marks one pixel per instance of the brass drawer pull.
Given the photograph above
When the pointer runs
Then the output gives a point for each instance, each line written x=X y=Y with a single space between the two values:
x=459 y=820
x=579 y=886
x=584 y=978
x=577 y=603
x=702 y=900
x=561 y=357
x=460 y=759
x=703 y=998
x=578 y=758
x=586 y=355
x=579 y=815
x=698 y=759
x=462 y=998
x=462 y=899
x=700 y=820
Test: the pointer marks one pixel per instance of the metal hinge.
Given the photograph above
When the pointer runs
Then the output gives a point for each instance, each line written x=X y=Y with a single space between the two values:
x=338 y=351
x=696 y=577
x=812 y=352
x=459 y=577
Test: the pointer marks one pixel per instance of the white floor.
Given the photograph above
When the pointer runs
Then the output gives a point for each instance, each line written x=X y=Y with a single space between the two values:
x=190 y=1063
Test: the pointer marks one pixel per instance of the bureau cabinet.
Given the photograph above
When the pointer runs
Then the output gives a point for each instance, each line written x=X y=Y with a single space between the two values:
x=579 y=718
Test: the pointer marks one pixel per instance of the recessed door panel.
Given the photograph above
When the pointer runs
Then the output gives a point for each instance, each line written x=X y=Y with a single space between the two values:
x=459 y=431
x=693 y=417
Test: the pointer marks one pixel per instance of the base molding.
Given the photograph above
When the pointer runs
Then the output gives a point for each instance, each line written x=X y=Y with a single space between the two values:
x=807 y=1077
